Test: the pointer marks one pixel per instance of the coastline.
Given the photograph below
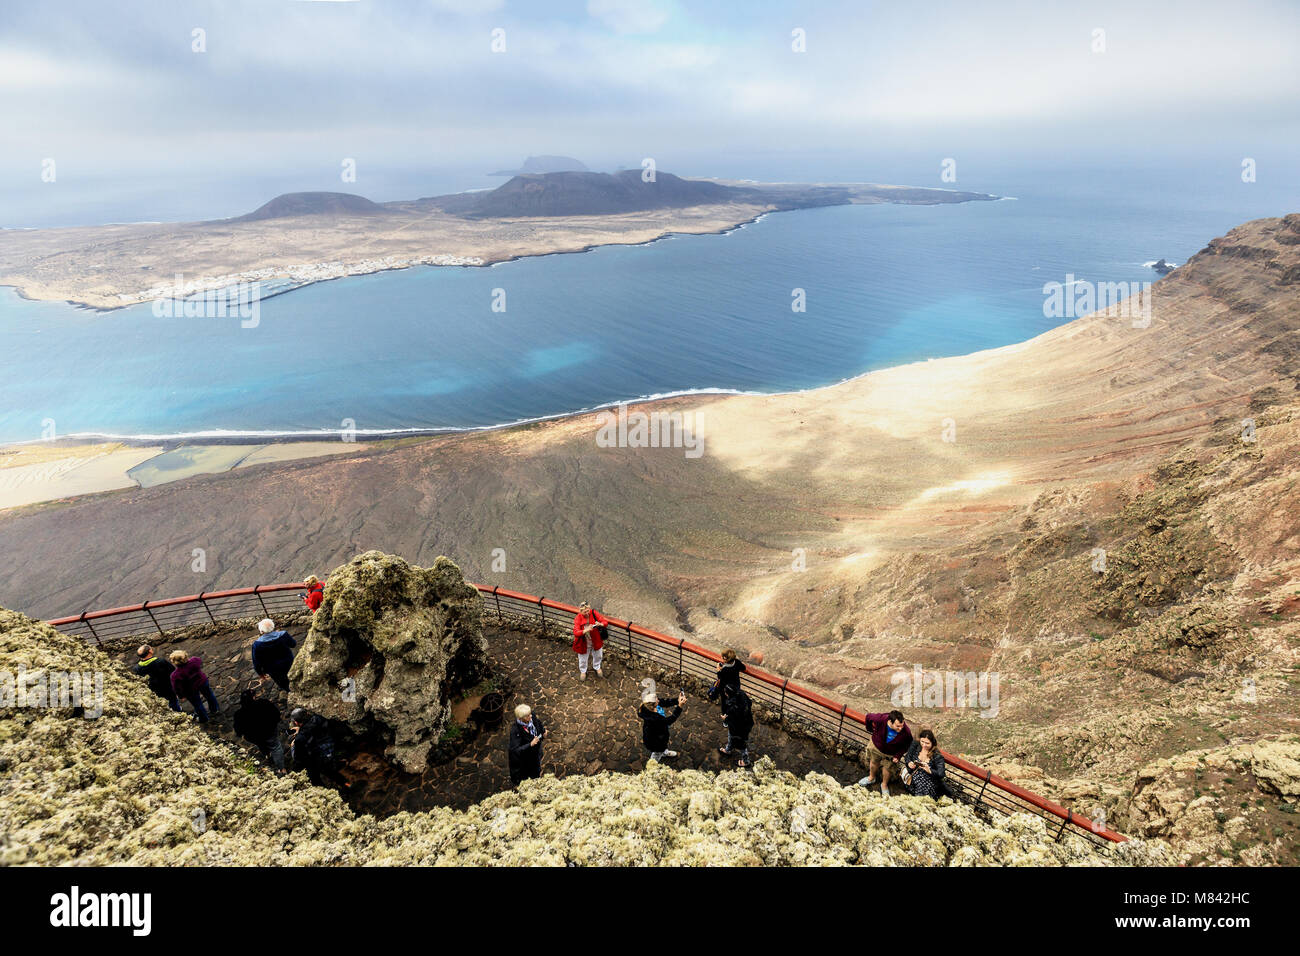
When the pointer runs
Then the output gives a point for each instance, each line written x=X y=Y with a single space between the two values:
x=211 y=449
x=321 y=244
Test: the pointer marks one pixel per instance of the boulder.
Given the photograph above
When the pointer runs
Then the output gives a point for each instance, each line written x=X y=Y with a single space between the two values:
x=388 y=647
x=1276 y=766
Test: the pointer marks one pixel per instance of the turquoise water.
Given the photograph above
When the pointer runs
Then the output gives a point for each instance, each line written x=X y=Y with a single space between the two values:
x=422 y=348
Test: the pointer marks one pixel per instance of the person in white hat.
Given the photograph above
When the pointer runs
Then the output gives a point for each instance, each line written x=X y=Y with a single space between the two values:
x=273 y=653
x=655 y=721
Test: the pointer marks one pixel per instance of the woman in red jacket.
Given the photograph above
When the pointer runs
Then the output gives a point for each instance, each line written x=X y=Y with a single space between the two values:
x=315 y=591
x=589 y=639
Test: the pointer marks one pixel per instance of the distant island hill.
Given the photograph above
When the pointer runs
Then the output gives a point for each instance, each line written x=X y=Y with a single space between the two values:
x=303 y=237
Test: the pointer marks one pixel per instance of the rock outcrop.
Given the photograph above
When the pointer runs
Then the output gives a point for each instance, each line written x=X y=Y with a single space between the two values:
x=387 y=648
x=141 y=785
x=1221 y=804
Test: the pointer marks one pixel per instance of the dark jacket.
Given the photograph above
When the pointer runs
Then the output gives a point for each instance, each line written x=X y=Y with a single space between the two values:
x=159 y=673
x=728 y=680
x=313 y=745
x=525 y=759
x=654 y=725
x=189 y=677
x=937 y=777
x=256 y=720
x=878 y=724
x=273 y=653
x=738 y=714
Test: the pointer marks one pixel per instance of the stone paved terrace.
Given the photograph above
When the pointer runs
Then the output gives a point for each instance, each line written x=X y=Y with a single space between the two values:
x=593 y=725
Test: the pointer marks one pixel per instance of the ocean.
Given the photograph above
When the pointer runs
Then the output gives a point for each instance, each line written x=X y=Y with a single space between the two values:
x=423 y=348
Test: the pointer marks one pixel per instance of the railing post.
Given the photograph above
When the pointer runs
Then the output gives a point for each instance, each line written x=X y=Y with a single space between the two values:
x=92 y=629
x=1069 y=815
x=630 y=651
x=988 y=775
x=840 y=729
x=145 y=607
x=258 y=594
x=497 y=597
x=206 y=608
x=542 y=607
x=781 y=715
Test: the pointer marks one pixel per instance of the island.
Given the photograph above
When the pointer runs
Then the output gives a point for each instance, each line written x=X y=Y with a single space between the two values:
x=300 y=238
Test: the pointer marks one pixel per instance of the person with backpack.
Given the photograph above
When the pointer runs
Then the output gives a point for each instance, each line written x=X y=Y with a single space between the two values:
x=738 y=716
x=257 y=720
x=159 y=673
x=189 y=681
x=273 y=653
x=313 y=749
x=923 y=767
x=728 y=679
x=589 y=636
x=524 y=746
x=315 y=593
x=655 y=721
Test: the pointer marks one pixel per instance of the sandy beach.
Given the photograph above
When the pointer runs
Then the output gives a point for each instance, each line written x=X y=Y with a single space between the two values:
x=35 y=473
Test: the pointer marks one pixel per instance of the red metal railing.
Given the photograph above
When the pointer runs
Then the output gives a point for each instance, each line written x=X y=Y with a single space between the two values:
x=792 y=705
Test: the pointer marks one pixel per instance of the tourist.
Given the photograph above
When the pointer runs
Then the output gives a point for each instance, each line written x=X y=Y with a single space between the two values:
x=890 y=738
x=589 y=633
x=313 y=750
x=189 y=681
x=524 y=748
x=159 y=672
x=738 y=716
x=729 y=671
x=315 y=593
x=258 y=721
x=655 y=721
x=273 y=653
x=923 y=767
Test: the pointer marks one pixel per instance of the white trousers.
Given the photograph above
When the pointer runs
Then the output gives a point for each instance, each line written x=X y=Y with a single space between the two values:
x=595 y=656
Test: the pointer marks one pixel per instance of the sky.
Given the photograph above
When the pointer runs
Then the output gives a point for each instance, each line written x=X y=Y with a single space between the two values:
x=146 y=118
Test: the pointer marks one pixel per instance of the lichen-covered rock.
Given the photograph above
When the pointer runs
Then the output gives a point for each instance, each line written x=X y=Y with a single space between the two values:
x=1276 y=765
x=144 y=786
x=388 y=646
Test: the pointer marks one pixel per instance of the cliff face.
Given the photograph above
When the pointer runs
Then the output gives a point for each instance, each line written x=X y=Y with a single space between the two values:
x=141 y=785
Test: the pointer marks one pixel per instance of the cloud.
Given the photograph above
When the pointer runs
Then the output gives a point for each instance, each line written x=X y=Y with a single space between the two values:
x=629 y=16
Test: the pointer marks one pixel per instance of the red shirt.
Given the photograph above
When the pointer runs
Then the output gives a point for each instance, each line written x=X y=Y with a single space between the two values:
x=580 y=639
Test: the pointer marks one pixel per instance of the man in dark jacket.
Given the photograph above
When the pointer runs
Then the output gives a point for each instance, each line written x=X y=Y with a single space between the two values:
x=258 y=722
x=524 y=748
x=728 y=678
x=655 y=721
x=738 y=716
x=890 y=738
x=159 y=673
x=273 y=653
x=313 y=748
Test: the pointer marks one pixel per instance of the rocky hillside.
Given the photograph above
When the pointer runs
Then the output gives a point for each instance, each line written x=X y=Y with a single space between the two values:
x=591 y=194
x=141 y=785
x=313 y=204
